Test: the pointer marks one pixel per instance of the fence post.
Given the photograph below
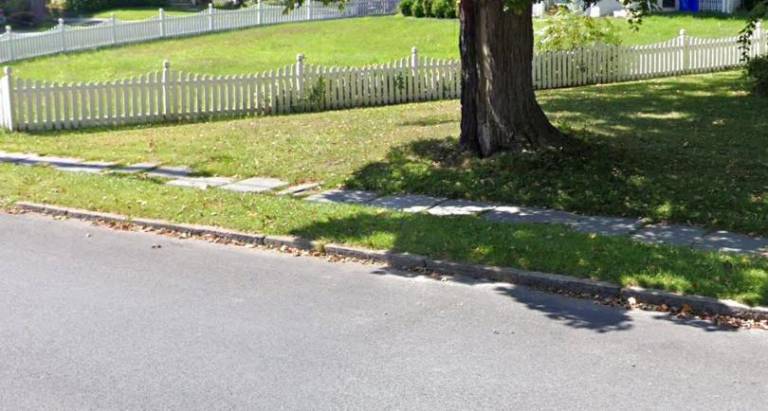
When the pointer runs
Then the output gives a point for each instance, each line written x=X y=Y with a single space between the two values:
x=684 y=51
x=415 y=59
x=7 y=99
x=165 y=90
x=62 y=36
x=11 y=46
x=210 y=16
x=759 y=39
x=113 y=19
x=300 y=75
x=415 y=74
x=308 y=5
x=161 y=13
x=258 y=13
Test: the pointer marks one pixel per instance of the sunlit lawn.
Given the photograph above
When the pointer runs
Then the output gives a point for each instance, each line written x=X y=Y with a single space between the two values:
x=688 y=150
x=351 y=42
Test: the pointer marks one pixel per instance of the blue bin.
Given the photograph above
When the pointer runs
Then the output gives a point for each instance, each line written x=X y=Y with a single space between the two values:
x=689 y=5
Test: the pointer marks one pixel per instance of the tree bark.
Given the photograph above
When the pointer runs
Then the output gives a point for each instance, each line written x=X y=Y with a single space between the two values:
x=499 y=110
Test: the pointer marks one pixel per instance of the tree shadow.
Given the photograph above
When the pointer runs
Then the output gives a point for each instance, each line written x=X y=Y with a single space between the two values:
x=573 y=313
x=684 y=151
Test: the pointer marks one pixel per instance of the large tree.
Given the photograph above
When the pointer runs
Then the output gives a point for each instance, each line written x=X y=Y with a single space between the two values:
x=499 y=110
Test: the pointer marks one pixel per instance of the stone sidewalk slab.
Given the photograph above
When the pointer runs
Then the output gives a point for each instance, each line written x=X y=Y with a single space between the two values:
x=728 y=242
x=255 y=185
x=606 y=225
x=530 y=215
x=410 y=203
x=200 y=183
x=170 y=172
x=343 y=196
x=460 y=207
x=299 y=189
x=17 y=157
x=669 y=234
x=56 y=161
x=135 y=168
x=91 y=167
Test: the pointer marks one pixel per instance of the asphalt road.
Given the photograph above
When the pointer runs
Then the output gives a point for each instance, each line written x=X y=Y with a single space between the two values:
x=98 y=319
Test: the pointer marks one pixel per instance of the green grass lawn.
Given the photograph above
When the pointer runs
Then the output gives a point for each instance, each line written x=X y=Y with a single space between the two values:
x=139 y=13
x=469 y=239
x=685 y=150
x=352 y=42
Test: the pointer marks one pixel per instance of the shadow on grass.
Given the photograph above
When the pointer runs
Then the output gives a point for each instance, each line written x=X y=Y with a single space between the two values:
x=687 y=150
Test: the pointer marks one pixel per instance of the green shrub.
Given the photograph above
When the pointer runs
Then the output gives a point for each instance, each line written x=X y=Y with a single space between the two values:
x=224 y=4
x=748 y=5
x=444 y=9
x=418 y=8
x=757 y=73
x=79 y=6
x=427 y=8
x=406 y=7
x=570 y=30
x=57 y=8
x=14 y=6
x=22 y=19
x=451 y=12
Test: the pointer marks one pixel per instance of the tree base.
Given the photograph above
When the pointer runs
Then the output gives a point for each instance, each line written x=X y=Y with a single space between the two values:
x=499 y=107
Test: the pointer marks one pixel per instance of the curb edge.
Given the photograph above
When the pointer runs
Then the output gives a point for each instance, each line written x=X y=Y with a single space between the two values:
x=532 y=279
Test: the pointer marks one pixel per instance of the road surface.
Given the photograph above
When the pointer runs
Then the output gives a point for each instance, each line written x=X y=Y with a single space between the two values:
x=97 y=319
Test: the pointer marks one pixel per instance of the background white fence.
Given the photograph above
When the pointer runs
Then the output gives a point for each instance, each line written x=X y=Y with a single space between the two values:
x=170 y=95
x=720 y=6
x=64 y=38
x=608 y=64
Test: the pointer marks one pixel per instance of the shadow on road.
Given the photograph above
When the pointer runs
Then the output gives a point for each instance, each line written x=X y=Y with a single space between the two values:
x=569 y=311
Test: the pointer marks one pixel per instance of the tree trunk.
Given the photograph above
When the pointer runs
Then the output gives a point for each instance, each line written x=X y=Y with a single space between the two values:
x=498 y=104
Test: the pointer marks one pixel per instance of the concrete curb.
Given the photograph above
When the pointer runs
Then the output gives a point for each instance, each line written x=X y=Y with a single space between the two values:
x=697 y=303
x=546 y=281
x=397 y=260
x=200 y=230
x=278 y=241
x=532 y=279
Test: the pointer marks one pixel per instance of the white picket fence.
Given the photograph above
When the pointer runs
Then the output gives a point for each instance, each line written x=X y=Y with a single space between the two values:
x=174 y=95
x=609 y=64
x=720 y=6
x=170 y=95
x=64 y=38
